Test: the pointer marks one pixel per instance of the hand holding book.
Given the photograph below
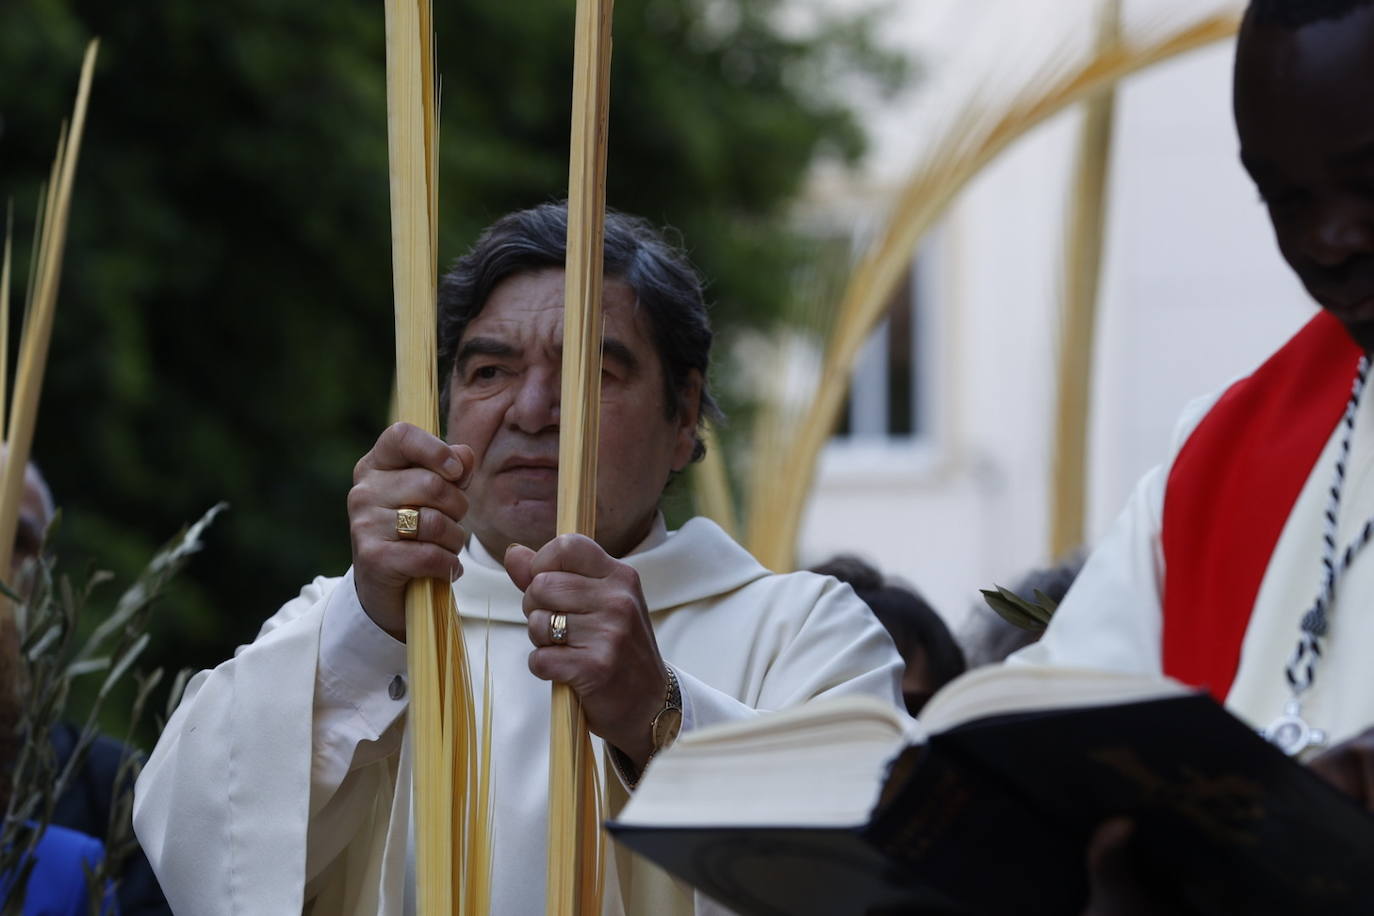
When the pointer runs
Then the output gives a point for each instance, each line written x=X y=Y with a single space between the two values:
x=1117 y=885
x=1350 y=767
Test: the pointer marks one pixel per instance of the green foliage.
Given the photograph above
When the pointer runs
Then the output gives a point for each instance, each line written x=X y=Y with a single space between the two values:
x=1027 y=614
x=49 y=659
x=224 y=324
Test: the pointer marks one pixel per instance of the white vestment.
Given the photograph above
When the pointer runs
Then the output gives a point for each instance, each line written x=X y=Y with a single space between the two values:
x=1112 y=618
x=282 y=783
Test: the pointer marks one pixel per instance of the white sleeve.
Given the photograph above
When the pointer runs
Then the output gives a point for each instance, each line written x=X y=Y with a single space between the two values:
x=361 y=689
x=1112 y=618
x=835 y=648
x=246 y=795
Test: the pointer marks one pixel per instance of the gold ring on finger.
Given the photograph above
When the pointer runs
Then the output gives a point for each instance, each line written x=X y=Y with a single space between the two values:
x=558 y=629
x=407 y=523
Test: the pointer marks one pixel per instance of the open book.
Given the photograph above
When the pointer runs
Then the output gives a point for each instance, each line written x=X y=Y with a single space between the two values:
x=846 y=806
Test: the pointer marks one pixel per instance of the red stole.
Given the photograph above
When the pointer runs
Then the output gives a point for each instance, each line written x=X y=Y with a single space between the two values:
x=1231 y=489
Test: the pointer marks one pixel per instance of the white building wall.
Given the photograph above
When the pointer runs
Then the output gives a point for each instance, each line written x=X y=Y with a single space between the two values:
x=1194 y=294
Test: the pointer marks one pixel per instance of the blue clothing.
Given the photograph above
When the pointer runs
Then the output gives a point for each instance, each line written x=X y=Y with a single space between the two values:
x=57 y=884
x=86 y=806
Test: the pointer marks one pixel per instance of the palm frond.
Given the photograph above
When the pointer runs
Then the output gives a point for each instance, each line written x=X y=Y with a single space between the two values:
x=711 y=485
x=576 y=849
x=1084 y=244
x=44 y=280
x=450 y=831
x=982 y=131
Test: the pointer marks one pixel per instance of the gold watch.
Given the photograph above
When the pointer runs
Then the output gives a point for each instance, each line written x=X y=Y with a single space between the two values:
x=668 y=721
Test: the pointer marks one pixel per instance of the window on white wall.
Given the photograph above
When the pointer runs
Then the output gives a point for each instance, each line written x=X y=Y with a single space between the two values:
x=894 y=409
x=888 y=392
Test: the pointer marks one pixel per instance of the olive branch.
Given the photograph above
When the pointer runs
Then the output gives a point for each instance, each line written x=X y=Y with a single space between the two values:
x=49 y=661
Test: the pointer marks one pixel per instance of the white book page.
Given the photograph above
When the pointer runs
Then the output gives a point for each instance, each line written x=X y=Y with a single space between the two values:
x=1000 y=689
x=820 y=764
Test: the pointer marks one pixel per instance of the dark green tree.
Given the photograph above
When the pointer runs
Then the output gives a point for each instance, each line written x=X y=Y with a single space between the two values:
x=224 y=323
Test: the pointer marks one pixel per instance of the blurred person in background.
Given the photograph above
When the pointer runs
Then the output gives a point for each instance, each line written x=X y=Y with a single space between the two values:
x=932 y=656
x=57 y=884
x=91 y=794
x=988 y=638
x=36 y=511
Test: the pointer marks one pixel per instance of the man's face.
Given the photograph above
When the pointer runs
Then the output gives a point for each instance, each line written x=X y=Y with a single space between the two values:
x=504 y=403
x=1304 y=103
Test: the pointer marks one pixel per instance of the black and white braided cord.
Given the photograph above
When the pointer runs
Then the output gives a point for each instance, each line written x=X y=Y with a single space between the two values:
x=1301 y=670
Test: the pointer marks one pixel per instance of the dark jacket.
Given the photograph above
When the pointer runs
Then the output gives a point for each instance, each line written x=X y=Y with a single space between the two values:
x=85 y=806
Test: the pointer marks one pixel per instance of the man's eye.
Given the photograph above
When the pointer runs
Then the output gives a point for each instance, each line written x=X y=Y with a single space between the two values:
x=486 y=373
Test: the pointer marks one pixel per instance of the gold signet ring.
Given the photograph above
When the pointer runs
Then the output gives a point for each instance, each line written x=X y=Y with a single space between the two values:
x=407 y=523
x=558 y=629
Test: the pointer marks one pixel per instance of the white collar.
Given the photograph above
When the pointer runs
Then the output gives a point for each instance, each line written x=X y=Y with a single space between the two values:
x=697 y=561
x=658 y=533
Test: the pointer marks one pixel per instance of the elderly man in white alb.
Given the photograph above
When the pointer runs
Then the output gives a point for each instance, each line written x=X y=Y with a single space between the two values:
x=280 y=784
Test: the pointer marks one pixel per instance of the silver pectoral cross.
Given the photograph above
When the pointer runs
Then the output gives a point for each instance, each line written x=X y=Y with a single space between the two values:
x=1290 y=732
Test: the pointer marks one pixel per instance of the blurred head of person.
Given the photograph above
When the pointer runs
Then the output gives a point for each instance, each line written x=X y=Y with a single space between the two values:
x=988 y=639
x=35 y=513
x=932 y=656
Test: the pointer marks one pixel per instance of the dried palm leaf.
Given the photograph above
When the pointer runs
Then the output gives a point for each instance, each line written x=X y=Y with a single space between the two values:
x=39 y=311
x=979 y=135
x=452 y=807
x=576 y=852
x=5 y=276
x=1085 y=241
x=711 y=485
x=788 y=381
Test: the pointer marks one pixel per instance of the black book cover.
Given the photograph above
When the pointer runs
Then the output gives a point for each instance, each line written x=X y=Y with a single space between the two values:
x=993 y=816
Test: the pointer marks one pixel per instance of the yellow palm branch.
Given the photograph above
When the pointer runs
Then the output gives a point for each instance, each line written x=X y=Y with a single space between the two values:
x=983 y=130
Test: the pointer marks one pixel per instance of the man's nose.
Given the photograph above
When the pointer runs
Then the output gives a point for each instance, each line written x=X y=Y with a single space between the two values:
x=535 y=406
x=1337 y=230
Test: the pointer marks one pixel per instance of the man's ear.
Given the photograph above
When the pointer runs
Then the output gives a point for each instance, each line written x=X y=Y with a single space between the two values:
x=688 y=414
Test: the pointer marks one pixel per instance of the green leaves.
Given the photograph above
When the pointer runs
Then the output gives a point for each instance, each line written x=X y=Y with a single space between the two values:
x=40 y=659
x=1019 y=612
